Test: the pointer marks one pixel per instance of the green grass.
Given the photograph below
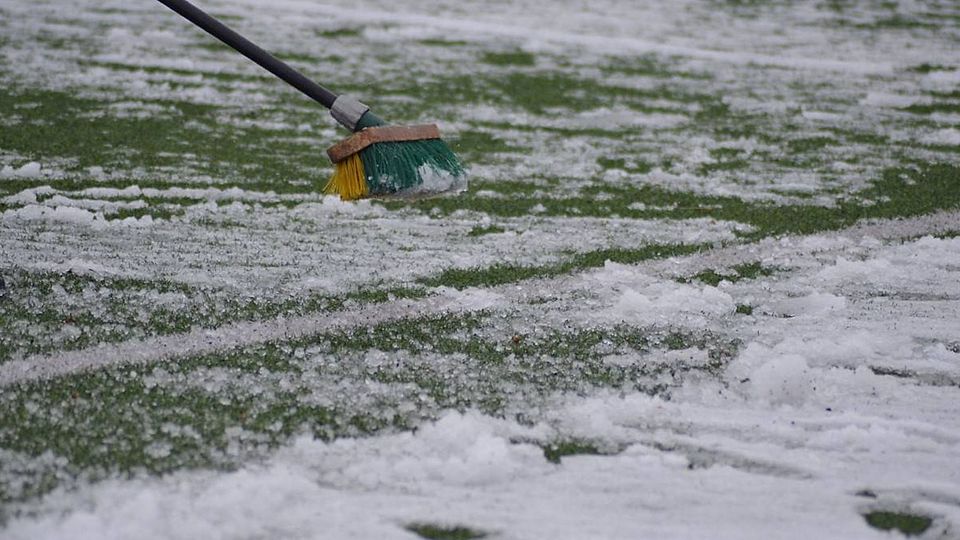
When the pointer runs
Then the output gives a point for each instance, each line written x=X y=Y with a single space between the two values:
x=898 y=192
x=809 y=144
x=556 y=451
x=340 y=33
x=444 y=532
x=908 y=524
x=925 y=68
x=116 y=422
x=736 y=273
x=511 y=58
x=649 y=66
x=155 y=70
x=725 y=165
x=539 y=92
x=47 y=311
x=481 y=145
x=897 y=22
x=443 y=43
x=84 y=133
x=483 y=230
x=636 y=166
x=186 y=414
x=931 y=108
x=499 y=274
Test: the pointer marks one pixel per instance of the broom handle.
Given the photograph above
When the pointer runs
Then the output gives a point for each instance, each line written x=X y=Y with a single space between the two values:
x=245 y=47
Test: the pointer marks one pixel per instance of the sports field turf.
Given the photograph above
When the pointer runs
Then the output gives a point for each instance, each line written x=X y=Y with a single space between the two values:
x=705 y=281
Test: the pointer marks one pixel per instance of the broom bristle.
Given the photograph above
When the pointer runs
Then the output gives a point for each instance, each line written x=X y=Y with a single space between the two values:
x=411 y=167
x=421 y=167
x=348 y=180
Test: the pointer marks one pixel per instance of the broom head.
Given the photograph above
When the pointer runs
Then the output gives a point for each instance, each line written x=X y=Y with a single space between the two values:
x=394 y=161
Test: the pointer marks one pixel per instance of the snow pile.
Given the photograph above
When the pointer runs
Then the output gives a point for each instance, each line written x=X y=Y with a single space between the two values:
x=772 y=376
x=471 y=298
x=457 y=450
x=813 y=304
x=641 y=299
x=674 y=468
x=884 y=99
x=71 y=215
x=946 y=79
x=28 y=170
x=305 y=489
x=946 y=137
x=435 y=181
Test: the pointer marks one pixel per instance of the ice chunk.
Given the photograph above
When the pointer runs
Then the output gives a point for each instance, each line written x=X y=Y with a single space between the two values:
x=28 y=170
x=783 y=380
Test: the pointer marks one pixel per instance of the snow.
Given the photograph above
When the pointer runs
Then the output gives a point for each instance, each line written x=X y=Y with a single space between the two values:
x=883 y=99
x=945 y=79
x=813 y=304
x=28 y=170
x=771 y=377
x=435 y=181
x=949 y=137
x=838 y=392
x=71 y=215
x=725 y=468
x=646 y=300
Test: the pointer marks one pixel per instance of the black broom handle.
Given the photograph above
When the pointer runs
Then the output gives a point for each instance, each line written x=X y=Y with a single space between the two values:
x=245 y=47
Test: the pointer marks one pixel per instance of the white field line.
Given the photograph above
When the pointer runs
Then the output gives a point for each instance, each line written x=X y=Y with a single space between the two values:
x=237 y=335
x=599 y=43
x=198 y=342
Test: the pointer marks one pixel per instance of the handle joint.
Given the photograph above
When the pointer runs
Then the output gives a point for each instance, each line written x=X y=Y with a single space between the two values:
x=348 y=111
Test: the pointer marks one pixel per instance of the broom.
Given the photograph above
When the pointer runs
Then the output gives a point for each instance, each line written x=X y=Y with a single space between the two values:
x=377 y=160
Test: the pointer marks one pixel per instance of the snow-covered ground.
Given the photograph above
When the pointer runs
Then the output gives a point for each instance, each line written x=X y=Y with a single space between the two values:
x=199 y=346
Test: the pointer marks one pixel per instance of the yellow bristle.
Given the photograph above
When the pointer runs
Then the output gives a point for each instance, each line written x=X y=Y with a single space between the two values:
x=348 y=180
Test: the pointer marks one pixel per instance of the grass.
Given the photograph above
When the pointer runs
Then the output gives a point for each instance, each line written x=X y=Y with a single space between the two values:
x=225 y=77
x=902 y=191
x=511 y=58
x=908 y=524
x=190 y=413
x=633 y=166
x=340 y=33
x=925 y=68
x=555 y=452
x=115 y=421
x=539 y=92
x=48 y=311
x=931 y=108
x=499 y=274
x=519 y=118
x=736 y=273
x=85 y=133
x=481 y=143
x=484 y=230
x=444 y=532
x=650 y=65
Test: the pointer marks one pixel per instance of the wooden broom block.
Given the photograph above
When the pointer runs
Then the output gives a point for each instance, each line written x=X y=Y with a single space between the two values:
x=362 y=139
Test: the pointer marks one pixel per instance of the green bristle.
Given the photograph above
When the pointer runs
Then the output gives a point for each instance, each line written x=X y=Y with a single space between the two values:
x=392 y=167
